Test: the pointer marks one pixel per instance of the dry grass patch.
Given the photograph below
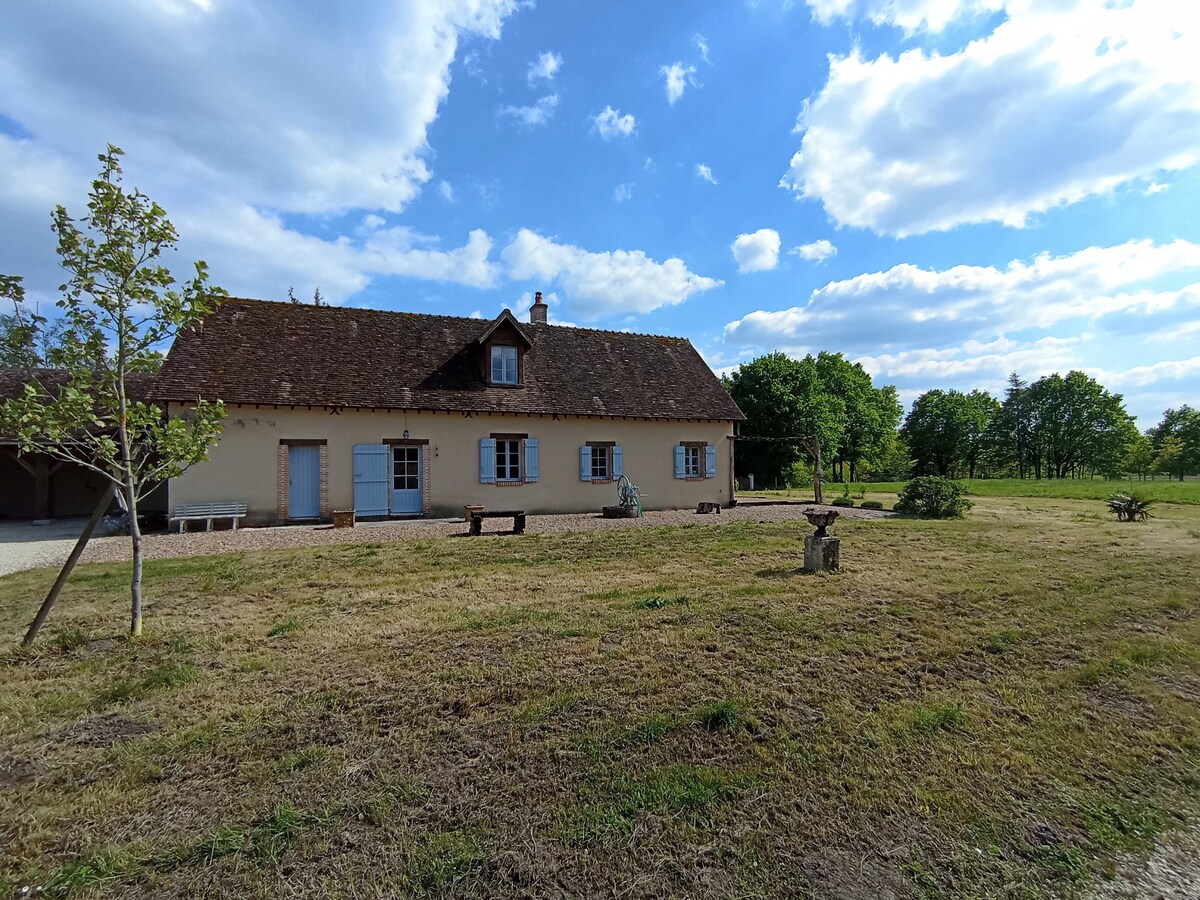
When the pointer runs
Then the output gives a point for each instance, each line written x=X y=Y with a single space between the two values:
x=992 y=707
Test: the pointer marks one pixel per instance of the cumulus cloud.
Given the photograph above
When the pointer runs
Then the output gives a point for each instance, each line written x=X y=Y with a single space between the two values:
x=676 y=77
x=703 y=171
x=531 y=116
x=1062 y=101
x=911 y=15
x=544 y=68
x=604 y=283
x=610 y=123
x=910 y=308
x=758 y=251
x=337 y=132
x=817 y=251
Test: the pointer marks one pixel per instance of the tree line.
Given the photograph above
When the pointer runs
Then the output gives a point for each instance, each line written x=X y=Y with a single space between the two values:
x=1059 y=426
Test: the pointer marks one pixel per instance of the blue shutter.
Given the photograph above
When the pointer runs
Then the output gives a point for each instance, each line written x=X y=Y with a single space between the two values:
x=370 y=480
x=681 y=462
x=531 y=459
x=710 y=461
x=487 y=460
x=618 y=465
x=585 y=463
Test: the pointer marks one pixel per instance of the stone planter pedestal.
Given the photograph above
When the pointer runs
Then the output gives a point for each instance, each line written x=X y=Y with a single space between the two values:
x=822 y=554
x=471 y=509
x=343 y=518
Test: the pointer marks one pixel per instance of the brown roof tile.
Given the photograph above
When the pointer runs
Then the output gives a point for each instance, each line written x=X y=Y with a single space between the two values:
x=255 y=351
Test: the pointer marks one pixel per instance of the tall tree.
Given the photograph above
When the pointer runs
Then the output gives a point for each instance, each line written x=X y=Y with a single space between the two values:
x=1176 y=439
x=1077 y=426
x=870 y=414
x=783 y=398
x=946 y=431
x=120 y=304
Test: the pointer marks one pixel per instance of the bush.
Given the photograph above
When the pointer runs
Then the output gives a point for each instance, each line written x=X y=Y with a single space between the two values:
x=871 y=504
x=1128 y=508
x=842 y=501
x=933 y=497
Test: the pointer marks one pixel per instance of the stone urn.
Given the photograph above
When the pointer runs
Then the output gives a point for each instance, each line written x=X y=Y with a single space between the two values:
x=822 y=519
x=822 y=552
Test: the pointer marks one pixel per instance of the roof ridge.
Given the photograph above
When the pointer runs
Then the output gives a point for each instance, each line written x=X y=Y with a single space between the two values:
x=402 y=312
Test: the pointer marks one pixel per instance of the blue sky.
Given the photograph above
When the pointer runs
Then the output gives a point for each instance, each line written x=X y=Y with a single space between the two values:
x=945 y=190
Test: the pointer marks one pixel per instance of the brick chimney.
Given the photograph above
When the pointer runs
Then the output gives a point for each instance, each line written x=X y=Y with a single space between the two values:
x=537 y=312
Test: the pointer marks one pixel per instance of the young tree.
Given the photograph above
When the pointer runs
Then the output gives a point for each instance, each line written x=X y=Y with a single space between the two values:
x=1140 y=458
x=1177 y=440
x=119 y=305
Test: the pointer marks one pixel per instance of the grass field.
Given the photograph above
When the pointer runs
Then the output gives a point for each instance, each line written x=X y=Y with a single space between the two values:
x=994 y=707
x=1162 y=491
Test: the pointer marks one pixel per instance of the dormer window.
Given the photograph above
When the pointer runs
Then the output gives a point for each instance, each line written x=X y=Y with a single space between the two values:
x=504 y=364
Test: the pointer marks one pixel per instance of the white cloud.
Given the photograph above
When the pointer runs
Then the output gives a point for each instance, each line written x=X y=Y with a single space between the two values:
x=521 y=308
x=343 y=130
x=909 y=308
x=606 y=283
x=544 y=68
x=1062 y=101
x=911 y=15
x=676 y=77
x=1155 y=188
x=1154 y=374
x=446 y=189
x=623 y=192
x=610 y=123
x=703 y=171
x=758 y=251
x=701 y=45
x=817 y=251
x=531 y=116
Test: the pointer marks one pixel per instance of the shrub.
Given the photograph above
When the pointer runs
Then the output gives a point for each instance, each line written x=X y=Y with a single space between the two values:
x=843 y=501
x=933 y=497
x=1128 y=508
x=871 y=504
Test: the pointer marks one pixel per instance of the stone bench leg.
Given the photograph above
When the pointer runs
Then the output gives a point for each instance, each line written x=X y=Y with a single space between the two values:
x=476 y=526
x=235 y=521
x=208 y=526
x=518 y=524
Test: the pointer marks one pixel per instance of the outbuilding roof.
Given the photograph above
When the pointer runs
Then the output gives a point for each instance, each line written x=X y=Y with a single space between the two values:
x=262 y=352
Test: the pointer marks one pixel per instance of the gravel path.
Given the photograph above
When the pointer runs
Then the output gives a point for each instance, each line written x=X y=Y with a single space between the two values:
x=167 y=546
x=1171 y=872
x=26 y=546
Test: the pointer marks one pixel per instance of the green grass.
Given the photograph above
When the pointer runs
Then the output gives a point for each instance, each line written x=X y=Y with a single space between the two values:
x=1011 y=700
x=1159 y=490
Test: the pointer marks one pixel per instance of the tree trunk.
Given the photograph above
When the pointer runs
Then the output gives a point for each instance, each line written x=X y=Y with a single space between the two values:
x=135 y=582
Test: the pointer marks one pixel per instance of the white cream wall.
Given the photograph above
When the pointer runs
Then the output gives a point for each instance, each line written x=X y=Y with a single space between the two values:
x=243 y=466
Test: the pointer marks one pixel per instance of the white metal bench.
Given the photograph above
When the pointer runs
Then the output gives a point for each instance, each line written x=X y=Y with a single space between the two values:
x=195 y=512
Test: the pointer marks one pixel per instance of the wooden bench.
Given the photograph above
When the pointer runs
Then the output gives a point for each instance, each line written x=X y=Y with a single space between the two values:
x=195 y=512
x=518 y=517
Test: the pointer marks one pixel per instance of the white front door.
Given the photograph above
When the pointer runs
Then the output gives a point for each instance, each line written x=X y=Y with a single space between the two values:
x=406 y=480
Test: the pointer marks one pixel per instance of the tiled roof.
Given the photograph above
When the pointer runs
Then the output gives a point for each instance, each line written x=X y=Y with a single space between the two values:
x=254 y=351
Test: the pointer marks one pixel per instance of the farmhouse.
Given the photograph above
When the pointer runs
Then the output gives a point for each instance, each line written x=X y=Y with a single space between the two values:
x=401 y=414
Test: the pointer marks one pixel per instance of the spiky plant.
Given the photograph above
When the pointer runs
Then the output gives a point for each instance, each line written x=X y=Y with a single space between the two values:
x=1128 y=508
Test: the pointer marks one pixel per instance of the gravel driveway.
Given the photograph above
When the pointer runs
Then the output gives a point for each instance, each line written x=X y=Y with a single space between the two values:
x=18 y=556
x=26 y=546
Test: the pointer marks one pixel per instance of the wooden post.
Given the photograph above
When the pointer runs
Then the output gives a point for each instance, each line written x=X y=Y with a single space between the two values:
x=48 y=604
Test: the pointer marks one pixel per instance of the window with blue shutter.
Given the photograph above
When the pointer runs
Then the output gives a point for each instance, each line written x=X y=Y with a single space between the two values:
x=618 y=467
x=487 y=460
x=681 y=462
x=531 y=459
x=710 y=461
x=585 y=463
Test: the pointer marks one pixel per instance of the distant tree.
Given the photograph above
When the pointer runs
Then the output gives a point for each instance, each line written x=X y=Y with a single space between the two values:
x=1140 y=457
x=870 y=414
x=318 y=299
x=1076 y=426
x=23 y=346
x=119 y=305
x=1177 y=440
x=946 y=431
x=1008 y=443
x=783 y=398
